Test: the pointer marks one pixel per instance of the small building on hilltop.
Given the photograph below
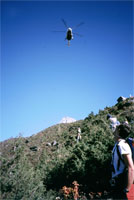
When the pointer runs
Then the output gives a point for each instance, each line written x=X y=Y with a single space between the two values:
x=120 y=99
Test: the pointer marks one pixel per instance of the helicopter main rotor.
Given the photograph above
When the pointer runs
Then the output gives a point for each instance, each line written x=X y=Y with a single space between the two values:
x=69 y=32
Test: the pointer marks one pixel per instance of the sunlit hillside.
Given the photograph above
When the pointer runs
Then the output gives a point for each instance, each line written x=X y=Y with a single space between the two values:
x=37 y=167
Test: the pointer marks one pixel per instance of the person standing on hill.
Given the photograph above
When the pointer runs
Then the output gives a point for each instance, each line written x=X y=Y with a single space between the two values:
x=122 y=165
x=79 y=135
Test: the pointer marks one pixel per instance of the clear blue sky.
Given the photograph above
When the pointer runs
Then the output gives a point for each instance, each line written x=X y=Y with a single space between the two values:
x=44 y=80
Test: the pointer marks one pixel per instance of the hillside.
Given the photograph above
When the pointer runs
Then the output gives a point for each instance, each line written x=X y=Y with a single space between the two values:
x=37 y=167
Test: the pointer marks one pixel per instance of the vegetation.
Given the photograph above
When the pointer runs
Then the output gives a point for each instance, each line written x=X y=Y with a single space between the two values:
x=40 y=166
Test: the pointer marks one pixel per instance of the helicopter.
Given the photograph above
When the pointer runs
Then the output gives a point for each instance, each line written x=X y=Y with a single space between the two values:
x=69 y=35
x=69 y=32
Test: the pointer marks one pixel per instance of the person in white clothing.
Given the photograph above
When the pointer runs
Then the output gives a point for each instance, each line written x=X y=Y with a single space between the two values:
x=114 y=122
x=123 y=149
x=79 y=135
x=122 y=163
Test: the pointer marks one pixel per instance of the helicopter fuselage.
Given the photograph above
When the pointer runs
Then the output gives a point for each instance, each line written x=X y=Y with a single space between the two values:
x=69 y=35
